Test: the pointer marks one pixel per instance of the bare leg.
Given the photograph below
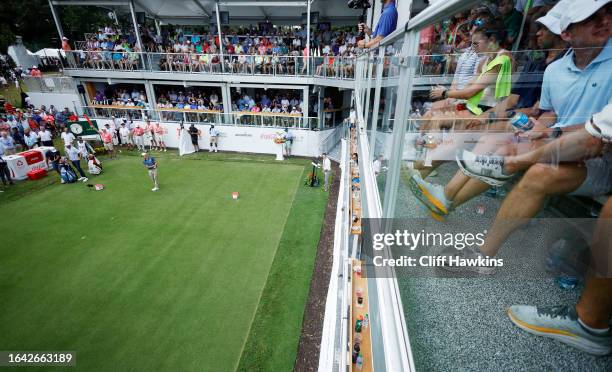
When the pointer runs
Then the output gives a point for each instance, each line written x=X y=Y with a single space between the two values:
x=527 y=198
x=570 y=147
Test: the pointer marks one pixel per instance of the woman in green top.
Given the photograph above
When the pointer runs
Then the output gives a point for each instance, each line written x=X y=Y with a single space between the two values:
x=486 y=90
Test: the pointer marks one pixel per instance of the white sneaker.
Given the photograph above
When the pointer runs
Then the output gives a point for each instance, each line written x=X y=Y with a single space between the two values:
x=431 y=195
x=216 y=150
x=63 y=181
x=81 y=178
x=486 y=168
x=155 y=189
x=211 y=150
x=85 y=179
x=165 y=150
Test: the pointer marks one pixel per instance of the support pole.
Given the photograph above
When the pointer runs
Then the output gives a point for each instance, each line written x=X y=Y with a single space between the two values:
x=307 y=61
x=56 y=20
x=136 y=26
x=220 y=37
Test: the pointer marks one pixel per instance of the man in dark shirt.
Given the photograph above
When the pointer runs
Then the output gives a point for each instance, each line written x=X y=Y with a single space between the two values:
x=5 y=174
x=512 y=19
x=53 y=156
x=528 y=87
x=195 y=135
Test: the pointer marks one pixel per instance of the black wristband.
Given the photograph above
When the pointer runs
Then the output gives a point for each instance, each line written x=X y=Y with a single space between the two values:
x=445 y=94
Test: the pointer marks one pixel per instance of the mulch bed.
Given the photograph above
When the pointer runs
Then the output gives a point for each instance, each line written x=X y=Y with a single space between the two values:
x=307 y=358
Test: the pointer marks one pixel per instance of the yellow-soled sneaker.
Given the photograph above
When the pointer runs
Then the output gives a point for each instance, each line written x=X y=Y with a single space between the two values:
x=560 y=323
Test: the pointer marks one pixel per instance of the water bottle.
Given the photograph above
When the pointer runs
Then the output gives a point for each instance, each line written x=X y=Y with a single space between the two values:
x=359 y=363
x=567 y=282
x=560 y=261
x=496 y=192
x=521 y=122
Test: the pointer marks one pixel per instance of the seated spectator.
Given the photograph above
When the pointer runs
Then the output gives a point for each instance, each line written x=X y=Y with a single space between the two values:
x=491 y=86
x=566 y=106
x=512 y=19
x=94 y=166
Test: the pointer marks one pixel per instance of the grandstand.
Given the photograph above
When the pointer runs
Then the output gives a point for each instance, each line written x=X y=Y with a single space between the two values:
x=422 y=128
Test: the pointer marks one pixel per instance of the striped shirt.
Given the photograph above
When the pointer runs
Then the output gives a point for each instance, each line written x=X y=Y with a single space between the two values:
x=467 y=68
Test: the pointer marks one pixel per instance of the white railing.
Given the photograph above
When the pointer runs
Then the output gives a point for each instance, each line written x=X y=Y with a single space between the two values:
x=238 y=118
x=336 y=67
x=334 y=337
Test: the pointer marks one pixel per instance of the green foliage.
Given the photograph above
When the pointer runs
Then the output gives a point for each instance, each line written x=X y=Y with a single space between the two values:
x=33 y=21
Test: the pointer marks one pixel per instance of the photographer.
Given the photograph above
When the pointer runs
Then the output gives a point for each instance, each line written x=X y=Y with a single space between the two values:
x=386 y=25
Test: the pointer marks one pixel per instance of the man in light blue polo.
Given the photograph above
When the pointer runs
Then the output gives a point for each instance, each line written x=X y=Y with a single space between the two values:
x=385 y=26
x=574 y=88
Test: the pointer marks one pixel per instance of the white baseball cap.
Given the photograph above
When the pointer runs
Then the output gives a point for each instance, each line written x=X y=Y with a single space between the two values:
x=579 y=10
x=552 y=18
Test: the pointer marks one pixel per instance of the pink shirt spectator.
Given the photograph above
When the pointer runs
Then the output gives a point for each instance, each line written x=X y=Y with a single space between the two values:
x=106 y=137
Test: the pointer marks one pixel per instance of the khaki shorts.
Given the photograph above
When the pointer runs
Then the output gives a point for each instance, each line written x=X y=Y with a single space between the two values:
x=108 y=146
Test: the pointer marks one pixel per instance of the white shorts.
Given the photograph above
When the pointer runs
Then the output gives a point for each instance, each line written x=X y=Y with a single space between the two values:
x=598 y=180
x=108 y=146
x=126 y=140
x=159 y=137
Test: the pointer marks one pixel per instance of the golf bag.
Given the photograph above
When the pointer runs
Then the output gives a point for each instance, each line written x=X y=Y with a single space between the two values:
x=67 y=174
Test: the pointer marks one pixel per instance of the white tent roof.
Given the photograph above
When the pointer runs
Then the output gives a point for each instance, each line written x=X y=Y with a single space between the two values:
x=48 y=52
x=278 y=11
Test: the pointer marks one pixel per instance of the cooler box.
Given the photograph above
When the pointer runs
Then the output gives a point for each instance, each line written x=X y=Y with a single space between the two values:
x=18 y=166
x=36 y=174
x=32 y=157
x=43 y=150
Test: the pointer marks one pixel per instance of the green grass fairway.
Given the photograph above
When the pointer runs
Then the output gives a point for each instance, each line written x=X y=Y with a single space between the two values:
x=184 y=279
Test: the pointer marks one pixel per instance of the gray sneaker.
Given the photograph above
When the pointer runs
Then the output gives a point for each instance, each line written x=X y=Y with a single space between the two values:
x=560 y=323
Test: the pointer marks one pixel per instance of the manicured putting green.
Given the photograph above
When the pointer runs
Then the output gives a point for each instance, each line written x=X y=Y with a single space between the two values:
x=132 y=279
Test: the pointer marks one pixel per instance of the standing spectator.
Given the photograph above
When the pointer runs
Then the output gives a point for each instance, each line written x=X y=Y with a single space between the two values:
x=18 y=139
x=65 y=44
x=124 y=133
x=195 y=135
x=214 y=138
x=386 y=25
x=30 y=138
x=5 y=174
x=326 y=171
x=68 y=137
x=84 y=147
x=53 y=156
x=75 y=158
x=46 y=137
x=107 y=139
x=7 y=144
x=288 y=136
x=139 y=137
x=35 y=72
x=151 y=164
x=159 y=136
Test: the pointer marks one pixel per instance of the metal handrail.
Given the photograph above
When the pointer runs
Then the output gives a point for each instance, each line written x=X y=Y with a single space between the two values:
x=339 y=67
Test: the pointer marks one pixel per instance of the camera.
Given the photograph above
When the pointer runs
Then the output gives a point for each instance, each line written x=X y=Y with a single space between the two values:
x=359 y=4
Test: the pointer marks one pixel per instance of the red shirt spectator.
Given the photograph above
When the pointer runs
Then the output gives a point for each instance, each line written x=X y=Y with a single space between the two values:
x=65 y=45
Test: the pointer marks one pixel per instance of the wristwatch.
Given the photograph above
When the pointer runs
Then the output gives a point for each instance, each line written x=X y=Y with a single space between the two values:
x=557 y=132
x=445 y=94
